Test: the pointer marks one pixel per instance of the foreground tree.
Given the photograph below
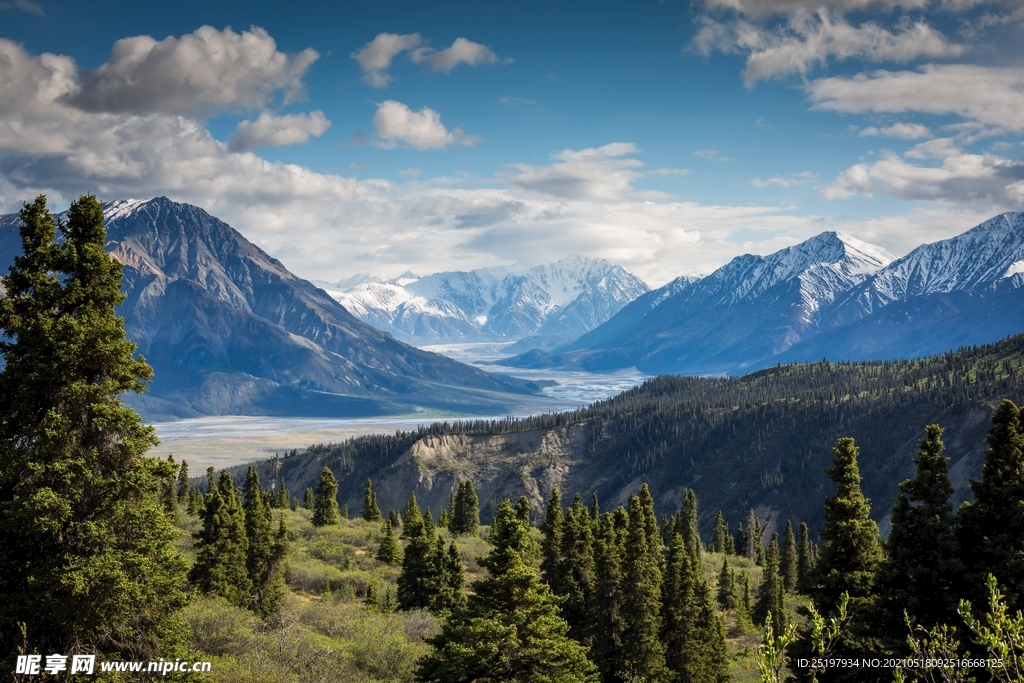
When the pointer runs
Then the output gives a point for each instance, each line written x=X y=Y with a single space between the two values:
x=371 y=513
x=511 y=629
x=87 y=561
x=222 y=546
x=325 y=503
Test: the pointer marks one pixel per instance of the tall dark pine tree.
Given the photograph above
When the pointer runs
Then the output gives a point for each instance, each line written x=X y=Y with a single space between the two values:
x=388 y=551
x=719 y=539
x=740 y=540
x=418 y=580
x=412 y=519
x=607 y=615
x=222 y=546
x=726 y=593
x=752 y=537
x=576 y=570
x=511 y=629
x=687 y=524
x=919 y=569
x=87 y=561
x=551 y=542
x=803 y=559
x=643 y=652
x=991 y=529
x=325 y=505
x=184 y=485
x=264 y=549
x=770 y=593
x=788 y=561
x=467 y=510
x=371 y=513
x=307 y=499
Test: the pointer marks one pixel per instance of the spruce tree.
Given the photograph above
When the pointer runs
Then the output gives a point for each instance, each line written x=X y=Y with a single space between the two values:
x=523 y=509
x=752 y=537
x=551 y=542
x=264 y=552
x=184 y=485
x=325 y=505
x=688 y=522
x=576 y=570
x=607 y=615
x=643 y=652
x=412 y=519
x=168 y=485
x=417 y=582
x=804 y=564
x=388 y=551
x=307 y=499
x=88 y=561
x=919 y=570
x=467 y=510
x=718 y=540
x=788 y=561
x=770 y=600
x=991 y=529
x=740 y=540
x=371 y=513
x=222 y=546
x=511 y=629
x=726 y=593
x=651 y=531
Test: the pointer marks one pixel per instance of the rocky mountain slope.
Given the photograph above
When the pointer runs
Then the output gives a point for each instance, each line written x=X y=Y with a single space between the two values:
x=229 y=330
x=561 y=300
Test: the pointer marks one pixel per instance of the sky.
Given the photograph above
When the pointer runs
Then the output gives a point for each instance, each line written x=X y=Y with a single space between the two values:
x=667 y=137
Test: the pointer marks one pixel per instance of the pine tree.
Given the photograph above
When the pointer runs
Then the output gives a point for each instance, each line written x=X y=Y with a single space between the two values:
x=264 y=553
x=730 y=547
x=575 y=570
x=991 y=529
x=770 y=600
x=595 y=510
x=744 y=623
x=804 y=563
x=467 y=510
x=740 y=540
x=282 y=493
x=643 y=653
x=523 y=509
x=294 y=505
x=412 y=519
x=447 y=577
x=222 y=546
x=195 y=501
x=752 y=537
x=417 y=582
x=307 y=499
x=388 y=551
x=607 y=616
x=168 y=486
x=442 y=518
x=88 y=560
x=688 y=522
x=344 y=511
x=726 y=593
x=184 y=485
x=511 y=629
x=918 y=573
x=551 y=542
x=718 y=542
x=651 y=531
x=325 y=505
x=371 y=513
x=788 y=566
x=758 y=534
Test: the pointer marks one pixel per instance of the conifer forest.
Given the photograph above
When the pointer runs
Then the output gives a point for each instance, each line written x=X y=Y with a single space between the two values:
x=304 y=569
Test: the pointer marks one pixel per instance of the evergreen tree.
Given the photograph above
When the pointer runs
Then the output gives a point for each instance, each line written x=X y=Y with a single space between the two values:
x=523 y=509
x=344 y=512
x=576 y=570
x=428 y=523
x=752 y=537
x=788 y=566
x=770 y=593
x=442 y=518
x=718 y=541
x=395 y=519
x=744 y=623
x=307 y=499
x=740 y=540
x=265 y=549
x=418 y=580
x=595 y=510
x=168 y=486
x=804 y=564
x=222 y=546
x=325 y=505
x=184 y=485
x=447 y=578
x=511 y=629
x=371 y=513
x=607 y=614
x=850 y=552
x=758 y=534
x=991 y=529
x=730 y=547
x=726 y=593
x=412 y=520
x=918 y=573
x=87 y=559
x=651 y=531
x=455 y=578
x=688 y=522
x=467 y=510
x=283 y=497
x=551 y=542
x=643 y=653
x=388 y=551
x=294 y=505
x=195 y=501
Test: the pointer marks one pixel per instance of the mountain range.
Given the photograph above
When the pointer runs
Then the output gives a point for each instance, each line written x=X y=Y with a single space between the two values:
x=229 y=330
x=547 y=304
x=832 y=296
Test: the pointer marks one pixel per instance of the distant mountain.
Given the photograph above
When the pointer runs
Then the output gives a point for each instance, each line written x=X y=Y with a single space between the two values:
x=229 y=330
x=742 y=315
x=553 y=303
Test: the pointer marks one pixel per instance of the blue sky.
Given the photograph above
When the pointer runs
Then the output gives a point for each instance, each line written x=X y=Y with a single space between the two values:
x=667 y=137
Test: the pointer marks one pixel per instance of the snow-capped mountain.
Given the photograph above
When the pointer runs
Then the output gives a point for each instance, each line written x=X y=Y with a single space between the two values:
x=563 y=299
x=750 y=309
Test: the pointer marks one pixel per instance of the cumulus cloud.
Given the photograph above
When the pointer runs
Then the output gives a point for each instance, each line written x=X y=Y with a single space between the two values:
x=397 y=124
x=201 y=72
x=375 y=57
x=26 y=6
x=462 y=51
x=991 y=96
x=960 y=179
x=278 y=131
x=905 y=131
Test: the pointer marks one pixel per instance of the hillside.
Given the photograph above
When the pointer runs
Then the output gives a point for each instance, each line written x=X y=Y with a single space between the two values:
x=758 y=441
x=229 y=329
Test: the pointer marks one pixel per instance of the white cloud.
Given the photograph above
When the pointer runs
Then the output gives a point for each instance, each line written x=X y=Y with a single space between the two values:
x=26 y=6
x=764 y=8
x=270 y=130
x=905 y=131
x=788 y=180
x=600 y=173
x=376 y=56
x=203 y=71
x=397 y=124
x=462 y=51
x=990 y=96
x=984 y=179
x=939 y=148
